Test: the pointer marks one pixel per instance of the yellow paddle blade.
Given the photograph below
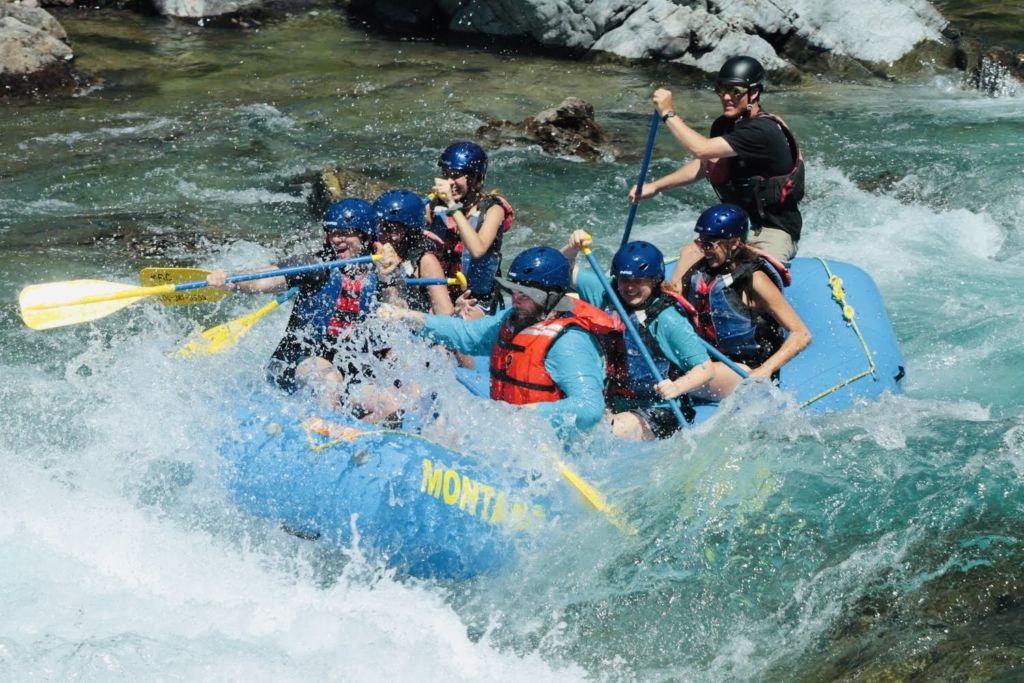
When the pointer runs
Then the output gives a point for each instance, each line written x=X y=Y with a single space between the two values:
x=174 y=276
x=223 y=337
x=592 y=495
x=57 y=304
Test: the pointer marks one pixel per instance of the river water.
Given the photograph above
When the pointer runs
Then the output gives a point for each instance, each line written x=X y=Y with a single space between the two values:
x=879 y=543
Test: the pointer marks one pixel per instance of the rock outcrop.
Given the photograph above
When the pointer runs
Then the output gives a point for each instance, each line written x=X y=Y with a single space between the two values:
x=788 y=36
x=566 y=130
x=35 y=57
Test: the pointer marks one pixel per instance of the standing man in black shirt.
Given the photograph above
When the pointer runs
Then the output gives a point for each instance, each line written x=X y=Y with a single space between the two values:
x=751 y=159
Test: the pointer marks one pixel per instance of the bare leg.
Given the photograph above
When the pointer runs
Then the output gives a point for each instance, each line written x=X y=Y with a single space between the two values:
x=631 y=427
x=323 y=377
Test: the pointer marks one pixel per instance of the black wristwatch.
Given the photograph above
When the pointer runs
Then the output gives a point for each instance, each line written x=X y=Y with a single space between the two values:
x=667 y=115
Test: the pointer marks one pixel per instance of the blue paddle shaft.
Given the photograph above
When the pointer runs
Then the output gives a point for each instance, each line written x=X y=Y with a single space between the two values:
x=284 y=296
x=643 y=174
x=724 y=359
x=294 y=270
x=631 y=329
x=427 y=281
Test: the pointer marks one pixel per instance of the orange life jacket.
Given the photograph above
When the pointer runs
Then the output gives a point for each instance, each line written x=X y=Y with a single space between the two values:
x=518 y=375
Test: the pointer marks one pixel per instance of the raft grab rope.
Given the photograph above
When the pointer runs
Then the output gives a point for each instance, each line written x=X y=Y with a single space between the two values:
x=839 y=295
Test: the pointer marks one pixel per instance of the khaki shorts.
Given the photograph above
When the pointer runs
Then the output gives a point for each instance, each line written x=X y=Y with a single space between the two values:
x=776 y=242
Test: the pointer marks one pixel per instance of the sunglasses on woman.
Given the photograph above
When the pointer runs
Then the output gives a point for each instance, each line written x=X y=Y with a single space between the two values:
x=706 y=244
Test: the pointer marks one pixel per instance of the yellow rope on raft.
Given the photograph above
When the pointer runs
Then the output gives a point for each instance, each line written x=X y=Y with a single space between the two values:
x=341 y=434
x=839 y=294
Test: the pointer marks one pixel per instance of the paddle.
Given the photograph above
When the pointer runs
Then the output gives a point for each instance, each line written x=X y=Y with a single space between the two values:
x=158 y=276
x=631 y=329
x=459 y=280
x=223 y=337
x=57 y=304
x=149 y=277
x=725 y=360
x=643 y=174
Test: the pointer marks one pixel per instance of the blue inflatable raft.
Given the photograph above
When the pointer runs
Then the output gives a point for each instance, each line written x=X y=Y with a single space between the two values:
x=421 y=508
x=854 y=357
x=428 y=511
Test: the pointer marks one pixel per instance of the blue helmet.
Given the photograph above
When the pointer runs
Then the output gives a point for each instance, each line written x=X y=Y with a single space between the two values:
x=725 y=220
x=401 y=206
x=351 y=214
x=464 y=156
x=542 y=268
x=639 y=259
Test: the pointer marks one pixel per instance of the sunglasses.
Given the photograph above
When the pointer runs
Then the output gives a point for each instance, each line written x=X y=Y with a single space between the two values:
x=452 y=174
x=707 y=245
x=733 y=91
x=343 y=233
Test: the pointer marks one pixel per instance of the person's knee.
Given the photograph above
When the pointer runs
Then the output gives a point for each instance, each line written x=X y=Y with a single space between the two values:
x=315 y=368
x=631 y=427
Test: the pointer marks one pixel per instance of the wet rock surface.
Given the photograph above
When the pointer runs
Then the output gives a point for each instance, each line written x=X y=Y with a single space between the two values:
x=568 y=129
x=964 y=621
x=35 y=57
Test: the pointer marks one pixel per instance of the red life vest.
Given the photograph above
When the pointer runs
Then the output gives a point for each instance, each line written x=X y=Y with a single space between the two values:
x=755 y=193
x=724 y=321
x=348 y=306
x=518 y=375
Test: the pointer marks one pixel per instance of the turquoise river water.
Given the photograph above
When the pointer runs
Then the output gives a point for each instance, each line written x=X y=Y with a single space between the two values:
x=881 y=543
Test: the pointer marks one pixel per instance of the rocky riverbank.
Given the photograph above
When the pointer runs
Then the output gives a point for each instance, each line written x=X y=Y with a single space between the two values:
x=795 y=39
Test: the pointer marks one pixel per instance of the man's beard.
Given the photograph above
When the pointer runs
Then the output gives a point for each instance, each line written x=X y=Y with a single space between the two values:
x=520 y=321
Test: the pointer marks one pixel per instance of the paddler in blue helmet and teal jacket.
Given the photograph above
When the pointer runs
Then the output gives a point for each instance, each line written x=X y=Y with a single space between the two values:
x=544 y=353
x=637 y=403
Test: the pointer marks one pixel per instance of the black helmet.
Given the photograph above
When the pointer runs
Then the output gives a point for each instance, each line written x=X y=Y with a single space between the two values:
x=743 y=71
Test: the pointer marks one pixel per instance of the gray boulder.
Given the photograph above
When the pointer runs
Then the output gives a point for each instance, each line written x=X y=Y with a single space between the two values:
x=34 y=55
x=197 y=9
x=783 y=34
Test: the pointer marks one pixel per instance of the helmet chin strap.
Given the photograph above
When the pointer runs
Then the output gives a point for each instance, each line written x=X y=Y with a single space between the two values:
x=552 y=300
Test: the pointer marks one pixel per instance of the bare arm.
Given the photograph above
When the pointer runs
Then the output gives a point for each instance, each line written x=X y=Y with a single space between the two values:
x=478 y=242
x=690 y=256
x=699 y=146
x=768 y=299
x=689 y=173
x=440 y=302
x=694 y=379
x=267 y=285
x=578 y=240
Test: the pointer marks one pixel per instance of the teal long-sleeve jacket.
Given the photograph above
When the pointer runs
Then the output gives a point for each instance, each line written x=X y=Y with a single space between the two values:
x=574 y=362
